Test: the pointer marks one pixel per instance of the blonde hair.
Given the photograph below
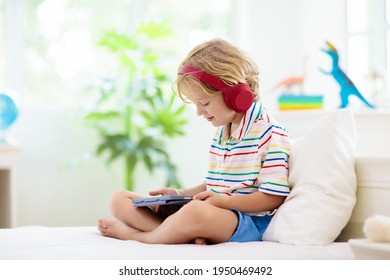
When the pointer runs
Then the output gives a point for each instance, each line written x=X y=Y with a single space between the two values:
x=223 y=60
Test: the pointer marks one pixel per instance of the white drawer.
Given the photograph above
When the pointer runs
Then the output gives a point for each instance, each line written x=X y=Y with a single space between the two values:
x=373 y=171
x=373 y=193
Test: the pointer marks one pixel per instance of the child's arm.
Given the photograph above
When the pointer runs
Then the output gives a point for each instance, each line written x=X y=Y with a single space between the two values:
x=254 y=202
x=192 y=191
x=189 y=191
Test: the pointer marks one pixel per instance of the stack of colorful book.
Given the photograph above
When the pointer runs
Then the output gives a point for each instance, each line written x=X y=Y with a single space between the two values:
x=300 y=102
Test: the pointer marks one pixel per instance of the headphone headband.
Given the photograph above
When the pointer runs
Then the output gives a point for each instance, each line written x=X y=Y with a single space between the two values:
x=204 y=77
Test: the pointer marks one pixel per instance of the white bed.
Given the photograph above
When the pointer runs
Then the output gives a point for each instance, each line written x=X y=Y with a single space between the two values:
x=86 y=243
x=66 y=243
x=373 y=194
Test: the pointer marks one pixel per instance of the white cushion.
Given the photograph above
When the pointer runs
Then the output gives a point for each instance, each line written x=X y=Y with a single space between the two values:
x=323 y=181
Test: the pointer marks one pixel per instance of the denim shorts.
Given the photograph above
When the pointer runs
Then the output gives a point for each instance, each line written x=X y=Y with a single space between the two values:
x=249 y=228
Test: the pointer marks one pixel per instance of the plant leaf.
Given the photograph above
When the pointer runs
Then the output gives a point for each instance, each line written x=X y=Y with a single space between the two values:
x=155 y=30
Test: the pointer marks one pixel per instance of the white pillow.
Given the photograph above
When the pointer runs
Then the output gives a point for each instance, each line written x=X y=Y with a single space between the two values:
x=323 y=182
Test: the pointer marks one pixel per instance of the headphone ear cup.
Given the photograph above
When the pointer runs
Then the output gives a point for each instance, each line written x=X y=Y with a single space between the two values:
x=239 y=97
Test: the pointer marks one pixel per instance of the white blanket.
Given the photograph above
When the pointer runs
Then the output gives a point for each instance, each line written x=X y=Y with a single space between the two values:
x=80 y=243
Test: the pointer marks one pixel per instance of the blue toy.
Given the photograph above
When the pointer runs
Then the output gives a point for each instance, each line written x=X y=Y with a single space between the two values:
x=8 y=113
x=346 y=85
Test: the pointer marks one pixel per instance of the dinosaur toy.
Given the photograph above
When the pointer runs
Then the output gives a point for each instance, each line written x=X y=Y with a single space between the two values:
x=346 y=85
x=289 y=82
x=293 y=81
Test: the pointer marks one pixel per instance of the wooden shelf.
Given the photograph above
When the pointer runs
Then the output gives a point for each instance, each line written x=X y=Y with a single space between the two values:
x=8 y=155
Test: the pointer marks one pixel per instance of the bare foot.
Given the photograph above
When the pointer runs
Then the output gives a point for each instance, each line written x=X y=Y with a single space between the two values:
x=116 y=229
x=199 y=241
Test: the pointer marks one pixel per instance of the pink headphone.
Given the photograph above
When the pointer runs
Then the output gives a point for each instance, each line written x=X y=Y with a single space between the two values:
x=238 y=97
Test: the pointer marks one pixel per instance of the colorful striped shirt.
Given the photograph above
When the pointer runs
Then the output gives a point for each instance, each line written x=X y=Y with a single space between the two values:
x=254 y=158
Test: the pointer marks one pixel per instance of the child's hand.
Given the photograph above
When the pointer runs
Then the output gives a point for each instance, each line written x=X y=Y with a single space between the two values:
x=213 y=198
x=164 y=191
x=204 y=195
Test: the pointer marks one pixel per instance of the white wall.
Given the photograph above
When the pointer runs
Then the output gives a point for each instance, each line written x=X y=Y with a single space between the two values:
x=47 y=190
x=280 y=34
x=285 y=32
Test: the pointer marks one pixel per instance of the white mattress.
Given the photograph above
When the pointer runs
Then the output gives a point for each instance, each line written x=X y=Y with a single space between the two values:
x=85 y=243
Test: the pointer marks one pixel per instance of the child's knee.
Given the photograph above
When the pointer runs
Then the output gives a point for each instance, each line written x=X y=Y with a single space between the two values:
x=194 y=213
x=118 y=199
x=118 y=195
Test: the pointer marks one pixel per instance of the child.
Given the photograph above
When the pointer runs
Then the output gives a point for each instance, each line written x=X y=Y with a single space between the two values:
x=248 y=166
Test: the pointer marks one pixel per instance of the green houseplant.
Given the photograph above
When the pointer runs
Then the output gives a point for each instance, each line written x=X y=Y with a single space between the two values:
x=135 y=112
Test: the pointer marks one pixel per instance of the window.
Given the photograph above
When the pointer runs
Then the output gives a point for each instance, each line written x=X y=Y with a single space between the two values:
x=368 y=38
x=2 y=51
x=58 y=56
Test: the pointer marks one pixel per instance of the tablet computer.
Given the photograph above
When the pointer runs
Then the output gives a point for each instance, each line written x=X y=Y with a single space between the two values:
x=161 y=200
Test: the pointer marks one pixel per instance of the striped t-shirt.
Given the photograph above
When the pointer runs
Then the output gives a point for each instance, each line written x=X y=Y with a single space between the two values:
x=253 y=158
